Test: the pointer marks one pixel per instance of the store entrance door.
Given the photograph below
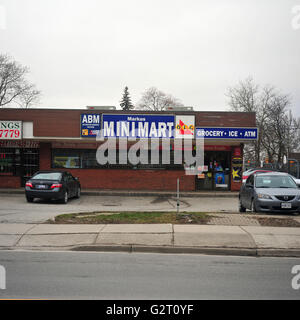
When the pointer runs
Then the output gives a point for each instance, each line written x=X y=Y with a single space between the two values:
x=216 y=175
x=29 y=163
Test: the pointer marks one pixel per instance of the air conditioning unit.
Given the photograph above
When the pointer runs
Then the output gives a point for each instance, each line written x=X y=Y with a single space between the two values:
x=180 y=108
x=101 y=107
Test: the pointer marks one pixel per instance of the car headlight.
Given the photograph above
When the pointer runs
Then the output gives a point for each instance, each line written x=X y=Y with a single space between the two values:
x=263 y=196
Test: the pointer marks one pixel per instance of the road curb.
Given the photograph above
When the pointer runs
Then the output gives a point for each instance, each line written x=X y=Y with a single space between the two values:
x=168 y=249
x=192 y=250
x=223 y=251
x=161 y=195
x=12 y=192
x=278 y=253
x=142 y=194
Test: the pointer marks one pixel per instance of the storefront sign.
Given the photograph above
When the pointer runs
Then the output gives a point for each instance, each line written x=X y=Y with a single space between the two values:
x=138 y=126
x=90 y=125
x=227 y=133
x=217 y=148
x=19 y=144
x=10 y=130
x=237 y=166
x=185 y=127
x=237 y=152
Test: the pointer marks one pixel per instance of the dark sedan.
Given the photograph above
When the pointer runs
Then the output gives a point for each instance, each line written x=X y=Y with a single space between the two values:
x=270 y=192
x=56 y=185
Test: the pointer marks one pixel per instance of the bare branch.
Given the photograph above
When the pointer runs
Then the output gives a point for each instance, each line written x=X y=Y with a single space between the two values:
x=14 y=88
x=154 y=99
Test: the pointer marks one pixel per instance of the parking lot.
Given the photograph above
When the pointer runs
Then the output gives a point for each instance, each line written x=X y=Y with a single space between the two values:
x=15 y=209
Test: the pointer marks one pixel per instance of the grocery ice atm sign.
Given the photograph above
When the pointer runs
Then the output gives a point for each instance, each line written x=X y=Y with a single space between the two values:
x=227 y=133
x=10 y=130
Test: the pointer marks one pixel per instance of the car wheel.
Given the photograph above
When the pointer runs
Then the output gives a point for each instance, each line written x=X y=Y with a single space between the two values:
x=253 y=207
x=29 y=199
x=241 y=208
x=78 y=193
x=65 y=198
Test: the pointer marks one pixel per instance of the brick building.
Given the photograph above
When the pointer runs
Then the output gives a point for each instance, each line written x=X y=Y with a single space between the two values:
x=61 y=139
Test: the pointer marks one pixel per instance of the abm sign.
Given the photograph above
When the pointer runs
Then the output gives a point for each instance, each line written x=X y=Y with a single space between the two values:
x=90 y=125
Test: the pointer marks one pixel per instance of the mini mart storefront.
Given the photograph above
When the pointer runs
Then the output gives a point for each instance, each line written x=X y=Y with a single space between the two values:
x=53 y=139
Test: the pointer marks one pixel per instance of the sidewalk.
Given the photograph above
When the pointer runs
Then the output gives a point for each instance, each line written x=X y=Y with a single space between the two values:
x=160 y=238
x=141 y=193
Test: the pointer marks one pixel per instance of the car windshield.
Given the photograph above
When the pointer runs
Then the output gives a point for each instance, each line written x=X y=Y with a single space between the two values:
x=47 y=176
x=275 y=182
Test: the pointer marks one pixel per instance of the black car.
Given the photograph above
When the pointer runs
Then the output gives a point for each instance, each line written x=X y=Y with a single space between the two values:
x=270 y=192
x=56 y=185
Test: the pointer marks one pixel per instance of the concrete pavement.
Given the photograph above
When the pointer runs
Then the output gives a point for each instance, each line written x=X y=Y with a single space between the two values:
x=163 y=238
x=15 y=209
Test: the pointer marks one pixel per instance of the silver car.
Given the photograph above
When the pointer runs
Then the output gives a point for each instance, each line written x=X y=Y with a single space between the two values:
x=270 y=192
x=297 y=181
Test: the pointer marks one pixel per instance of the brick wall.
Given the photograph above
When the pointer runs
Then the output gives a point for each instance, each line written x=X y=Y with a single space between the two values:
x=45 y=156
x=10 y=182
x=66 y=123
x=133 y=179
x=123 y=178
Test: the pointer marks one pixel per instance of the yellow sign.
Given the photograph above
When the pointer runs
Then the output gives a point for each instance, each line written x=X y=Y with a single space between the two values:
x=85 y=132
x=235 y=173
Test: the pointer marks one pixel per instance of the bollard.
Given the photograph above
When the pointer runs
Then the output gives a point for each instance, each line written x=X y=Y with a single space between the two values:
x=177 y=195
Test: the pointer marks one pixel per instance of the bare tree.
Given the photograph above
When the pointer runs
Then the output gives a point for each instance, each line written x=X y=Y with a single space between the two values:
x=292 y=134
x=278 y=129
x=245 y=97
x=14 y=87
x=154 y=99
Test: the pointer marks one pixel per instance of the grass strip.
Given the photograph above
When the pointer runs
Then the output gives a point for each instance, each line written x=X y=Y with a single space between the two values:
x=132 y=217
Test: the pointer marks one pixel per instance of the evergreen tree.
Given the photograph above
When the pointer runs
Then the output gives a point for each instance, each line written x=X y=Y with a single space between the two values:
x=126 y=100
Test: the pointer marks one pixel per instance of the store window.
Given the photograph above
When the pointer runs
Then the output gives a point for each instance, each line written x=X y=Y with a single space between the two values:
x=7 y=161
x=22 y=162
x=66 y=159
x=86 y=159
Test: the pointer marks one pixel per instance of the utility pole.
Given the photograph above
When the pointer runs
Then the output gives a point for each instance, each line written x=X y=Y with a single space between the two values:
x=177 y=195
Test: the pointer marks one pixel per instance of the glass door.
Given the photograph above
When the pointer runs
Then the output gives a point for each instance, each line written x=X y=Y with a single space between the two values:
x=216 y=174
x=29 y=163
x=221 y=168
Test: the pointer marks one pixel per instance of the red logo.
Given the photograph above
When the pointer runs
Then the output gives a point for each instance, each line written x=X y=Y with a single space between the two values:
x=184 y=129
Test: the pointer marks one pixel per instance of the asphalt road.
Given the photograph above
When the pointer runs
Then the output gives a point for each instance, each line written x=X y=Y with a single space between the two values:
x=15 y=209
x=82 y=275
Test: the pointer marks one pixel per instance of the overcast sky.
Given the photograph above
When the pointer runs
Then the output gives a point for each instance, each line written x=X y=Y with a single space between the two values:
x=85 y=52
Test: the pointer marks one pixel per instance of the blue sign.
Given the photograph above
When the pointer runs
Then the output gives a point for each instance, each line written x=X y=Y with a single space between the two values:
x=227 y=133
x=90 y=125
x=138 y=126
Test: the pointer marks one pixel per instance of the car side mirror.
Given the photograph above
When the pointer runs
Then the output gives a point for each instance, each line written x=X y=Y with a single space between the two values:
x=250 y=186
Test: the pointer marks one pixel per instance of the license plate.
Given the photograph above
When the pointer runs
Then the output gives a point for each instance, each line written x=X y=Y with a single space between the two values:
x=41 y=186
x=286 y=205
